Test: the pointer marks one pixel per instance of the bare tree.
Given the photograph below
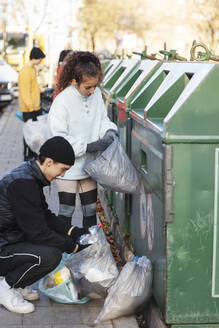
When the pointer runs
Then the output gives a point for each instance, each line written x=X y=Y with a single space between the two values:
x=101 y=19
x=205 y=20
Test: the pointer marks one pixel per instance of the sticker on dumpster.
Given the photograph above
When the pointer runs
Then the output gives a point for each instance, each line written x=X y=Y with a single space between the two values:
x=121 y=196
x=150 y=223
x=143 y=206
x=146 y=218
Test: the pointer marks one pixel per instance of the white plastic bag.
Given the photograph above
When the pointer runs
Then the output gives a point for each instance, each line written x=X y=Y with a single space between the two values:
x=93 y=269
x=113 y=169
x=133 y=287
x=36 y=132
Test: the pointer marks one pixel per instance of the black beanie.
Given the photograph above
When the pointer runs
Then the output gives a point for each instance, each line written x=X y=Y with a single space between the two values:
x=58 y=149
x=36 y=53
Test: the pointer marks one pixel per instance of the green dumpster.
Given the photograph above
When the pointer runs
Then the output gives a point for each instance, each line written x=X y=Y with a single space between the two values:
x=113 y=65
x=125 y=93
x=123 y=96
x=175 y=218
x=105 y=64
x=111 y=68
x=113 y=81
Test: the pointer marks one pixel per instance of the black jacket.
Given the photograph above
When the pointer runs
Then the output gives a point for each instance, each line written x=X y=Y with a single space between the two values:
x=24 y=213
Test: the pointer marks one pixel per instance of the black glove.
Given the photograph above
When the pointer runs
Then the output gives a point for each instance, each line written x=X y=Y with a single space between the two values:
x=78 y=232
x=112 y=134
x=103 y=143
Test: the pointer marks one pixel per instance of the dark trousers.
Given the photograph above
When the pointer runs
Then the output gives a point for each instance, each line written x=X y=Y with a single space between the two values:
x=24 y=263
x=28 y=153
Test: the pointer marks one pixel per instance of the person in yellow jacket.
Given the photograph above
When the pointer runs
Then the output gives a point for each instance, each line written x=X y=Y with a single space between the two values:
x=29 y=92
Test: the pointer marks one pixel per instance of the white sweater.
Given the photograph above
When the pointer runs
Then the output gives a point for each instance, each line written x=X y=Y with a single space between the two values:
x=80 y=120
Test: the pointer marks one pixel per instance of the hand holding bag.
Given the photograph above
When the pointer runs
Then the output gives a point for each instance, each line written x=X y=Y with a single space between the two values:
x=113 y=169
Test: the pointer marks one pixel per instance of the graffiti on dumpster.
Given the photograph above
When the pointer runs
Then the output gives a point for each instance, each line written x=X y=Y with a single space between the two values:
x=146 y=218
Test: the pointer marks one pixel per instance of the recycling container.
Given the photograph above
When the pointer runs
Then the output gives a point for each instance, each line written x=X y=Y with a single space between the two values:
x=175 y=217
x=123 y=96
x=113 y=65
x=108 y=72
x=127 y=91
x=105 y=64
x=113 y=81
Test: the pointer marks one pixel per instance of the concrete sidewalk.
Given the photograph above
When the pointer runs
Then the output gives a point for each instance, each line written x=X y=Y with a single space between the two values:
x=48 y=314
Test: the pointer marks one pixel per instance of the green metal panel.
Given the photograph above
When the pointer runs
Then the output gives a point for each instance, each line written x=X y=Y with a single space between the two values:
x=135 y=81
x=106 y=65
x=183 y=101
x=114 y=64
x=125 y=88
x=121 y=208
x=115 y=76
x=130 y=67
x=112 y=80
x=147 y=92
x=167 y=100
x=123 y=96
x=215 y=276
x=187 y=120
x=121 y=73
x=147 y=223
x=109 y=194
x=190 y=237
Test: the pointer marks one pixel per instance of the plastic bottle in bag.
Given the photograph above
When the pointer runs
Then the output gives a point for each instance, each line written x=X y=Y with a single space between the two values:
x=62 y=275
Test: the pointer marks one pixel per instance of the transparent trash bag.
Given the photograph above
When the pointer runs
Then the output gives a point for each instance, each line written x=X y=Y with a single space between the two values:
x=93 y=270
x=36 y=132
x=58 y=285
x=96 y=234
x=113 y=169
x=132 y=288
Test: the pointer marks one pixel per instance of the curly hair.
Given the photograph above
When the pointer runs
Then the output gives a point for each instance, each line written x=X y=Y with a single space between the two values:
x=78 y=64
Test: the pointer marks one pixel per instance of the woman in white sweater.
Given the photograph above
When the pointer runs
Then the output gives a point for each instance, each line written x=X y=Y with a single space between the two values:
x=78 y=114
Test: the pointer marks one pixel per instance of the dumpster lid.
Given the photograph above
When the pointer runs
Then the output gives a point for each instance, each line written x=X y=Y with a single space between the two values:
x=185 y=106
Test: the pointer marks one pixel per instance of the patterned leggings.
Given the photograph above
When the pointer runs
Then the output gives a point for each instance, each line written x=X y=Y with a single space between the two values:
x=87 y=189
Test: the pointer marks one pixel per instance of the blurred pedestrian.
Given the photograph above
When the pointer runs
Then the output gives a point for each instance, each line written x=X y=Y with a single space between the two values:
x=32 y=238
x=62 y=56
x=29 y=92
x=79 y=115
